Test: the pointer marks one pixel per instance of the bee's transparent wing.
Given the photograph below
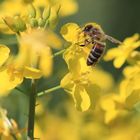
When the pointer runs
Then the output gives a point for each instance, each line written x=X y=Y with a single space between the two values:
x=113 y=40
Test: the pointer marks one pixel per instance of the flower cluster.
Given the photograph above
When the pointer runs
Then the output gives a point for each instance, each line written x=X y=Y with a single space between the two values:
x=82 y=81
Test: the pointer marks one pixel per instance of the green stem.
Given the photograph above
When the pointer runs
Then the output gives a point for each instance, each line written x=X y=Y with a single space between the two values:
x=59 y=53
x=48 y=91
x=32 y=104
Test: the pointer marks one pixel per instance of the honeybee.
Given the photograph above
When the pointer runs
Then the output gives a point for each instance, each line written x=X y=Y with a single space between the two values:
x=97 y=37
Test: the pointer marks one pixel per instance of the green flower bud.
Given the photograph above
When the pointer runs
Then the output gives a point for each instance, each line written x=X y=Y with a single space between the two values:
x=16 y=24
x=46 y=13
x=20 y=24
x=33 y=22
x=31 y=11
x=41 y=22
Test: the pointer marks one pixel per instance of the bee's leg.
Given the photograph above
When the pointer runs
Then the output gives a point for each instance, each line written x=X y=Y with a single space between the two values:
x=86 y=42
x=100 y=42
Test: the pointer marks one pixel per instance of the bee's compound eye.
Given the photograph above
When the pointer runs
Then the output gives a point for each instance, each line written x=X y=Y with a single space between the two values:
x=88 y=28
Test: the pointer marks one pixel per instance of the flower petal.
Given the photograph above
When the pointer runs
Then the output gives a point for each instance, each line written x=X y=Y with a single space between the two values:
x=70 y=32
x=4 y=54
x=81 y=98
x=67 y=83
x=7 y=84
x=119 y=61
x=46 y=61
x=112 y=53
x=53 y=40
x=32 y=73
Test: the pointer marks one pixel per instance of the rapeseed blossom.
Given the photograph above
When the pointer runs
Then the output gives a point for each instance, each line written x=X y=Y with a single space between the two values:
x=33 y=60
x=82 y=81
x=4 y=76
x=124 y=51
x=80 y=84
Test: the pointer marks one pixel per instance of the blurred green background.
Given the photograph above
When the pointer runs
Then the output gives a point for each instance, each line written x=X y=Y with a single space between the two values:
x=118 y=18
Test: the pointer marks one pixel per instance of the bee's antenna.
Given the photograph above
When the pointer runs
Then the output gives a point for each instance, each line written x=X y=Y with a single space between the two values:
x=113 y=40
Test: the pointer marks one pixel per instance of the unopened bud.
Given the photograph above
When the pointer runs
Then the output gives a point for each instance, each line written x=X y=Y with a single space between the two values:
x=41 y=22
x=46 y=13
x=16 y=24
x=33 y=22
x=31 y=11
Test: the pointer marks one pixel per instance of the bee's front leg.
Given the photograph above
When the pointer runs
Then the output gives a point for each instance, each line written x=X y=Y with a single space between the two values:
x=86 y=42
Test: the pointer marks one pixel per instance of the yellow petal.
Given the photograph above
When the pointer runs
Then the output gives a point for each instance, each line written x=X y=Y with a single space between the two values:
x=4 y=54
x=32 y=73
x=107 y=103
x=53 y=40
x=73 y=57
x=45 y=62
x=119 y=61
x=7 y=84
x=112 y=53
x=131 y=40
x=70 y=32
x=67 y=82
x=109 y=116
x=130 y=71
x=81 y=98
x=93 y=92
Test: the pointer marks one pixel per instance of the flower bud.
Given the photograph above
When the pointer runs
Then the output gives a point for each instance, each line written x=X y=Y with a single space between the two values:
x=41 y=22
x=33 y=22
x=16 y=24
x=31 y=11
x=46 y=13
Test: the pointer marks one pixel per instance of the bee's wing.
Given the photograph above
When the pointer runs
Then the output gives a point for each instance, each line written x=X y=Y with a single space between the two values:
x=112 y=39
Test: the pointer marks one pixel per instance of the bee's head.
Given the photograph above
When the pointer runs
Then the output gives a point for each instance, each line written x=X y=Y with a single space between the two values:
x=91 y=29
x=87 y=28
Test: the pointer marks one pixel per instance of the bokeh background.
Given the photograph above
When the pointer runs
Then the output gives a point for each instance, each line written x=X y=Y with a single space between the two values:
x=118 y=18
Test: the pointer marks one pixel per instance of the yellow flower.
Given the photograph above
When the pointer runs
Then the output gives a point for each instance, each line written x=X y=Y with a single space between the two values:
x=72 y=33
x=35 y=51
x=33 y=60
x=81 y=85
x=82 y=81
x=123 y=52
x=112 y=107
x=6 y=83
x=131 y=87
x=10 y=74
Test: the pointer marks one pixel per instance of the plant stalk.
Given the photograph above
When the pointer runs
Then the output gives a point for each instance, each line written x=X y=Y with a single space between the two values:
x=48 y=91
x=58 y=53
x=32 y=104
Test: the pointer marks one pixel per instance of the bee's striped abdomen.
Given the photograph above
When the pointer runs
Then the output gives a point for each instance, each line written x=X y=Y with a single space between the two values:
x=95 y=54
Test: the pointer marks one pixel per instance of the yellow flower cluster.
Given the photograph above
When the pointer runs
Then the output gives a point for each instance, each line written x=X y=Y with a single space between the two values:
x=87 y=85
x=35 y=40
x=82 y=82
x=87 y=125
